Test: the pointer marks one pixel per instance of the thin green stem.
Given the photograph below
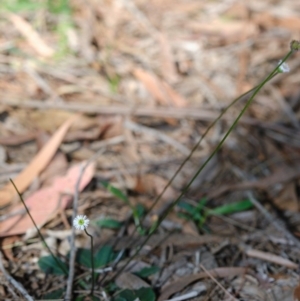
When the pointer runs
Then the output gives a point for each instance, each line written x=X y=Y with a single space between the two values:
x=258 y=88
x=163 y=216
x=37 y=229
x=92 y=262
x=157 y=199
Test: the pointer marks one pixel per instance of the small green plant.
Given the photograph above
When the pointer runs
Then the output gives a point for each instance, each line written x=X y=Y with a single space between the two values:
x=199 y=213
x=85 y=257
x=137 y=211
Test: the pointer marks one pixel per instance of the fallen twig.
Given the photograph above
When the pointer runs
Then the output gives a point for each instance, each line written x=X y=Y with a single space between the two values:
x=13 y=282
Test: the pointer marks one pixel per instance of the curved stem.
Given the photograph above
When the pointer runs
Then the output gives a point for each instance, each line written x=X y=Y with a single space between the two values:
x=92 y=262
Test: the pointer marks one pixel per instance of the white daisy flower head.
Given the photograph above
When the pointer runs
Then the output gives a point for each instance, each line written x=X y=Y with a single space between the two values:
x=81 y=222
x=284 y=68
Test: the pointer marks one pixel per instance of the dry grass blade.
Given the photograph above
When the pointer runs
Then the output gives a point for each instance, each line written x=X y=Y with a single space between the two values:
x=218 y=283
x=272 y=258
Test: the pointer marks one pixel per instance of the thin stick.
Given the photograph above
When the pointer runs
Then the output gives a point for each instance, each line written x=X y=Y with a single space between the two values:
x=157 y=134
x=72 y=242
x=218 y=283
x=277 y=223
x=13 y=282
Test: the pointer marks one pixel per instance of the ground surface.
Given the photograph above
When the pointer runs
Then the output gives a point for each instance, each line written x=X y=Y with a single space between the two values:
x=148 y=78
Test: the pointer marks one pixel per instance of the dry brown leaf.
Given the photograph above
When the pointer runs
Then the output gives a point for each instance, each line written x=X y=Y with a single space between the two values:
x=234 y=29
x=287 y=198
x=45 y=202
x=296 y=294
x=112 y=127
x=153 y=185
x=267 y=21
x=57 y=166
x=168 y=69
x=91 y=134
x=7 y=247
x=17 y=139
x=48 y=120
x=39 y=162
x=264 y=20
x=179 y=285
x=280 y=176
x=290 y=23
x=130 y=281
x=33 y=38
x=159 y=89
x=177 y=99
x=238 y=10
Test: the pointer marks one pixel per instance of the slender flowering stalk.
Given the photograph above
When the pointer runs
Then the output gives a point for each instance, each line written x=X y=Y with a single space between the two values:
x=294 y=46
x=81 y=222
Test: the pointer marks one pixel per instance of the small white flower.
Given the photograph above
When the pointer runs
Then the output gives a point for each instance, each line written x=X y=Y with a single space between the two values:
x=284 y=68
x=81 y=222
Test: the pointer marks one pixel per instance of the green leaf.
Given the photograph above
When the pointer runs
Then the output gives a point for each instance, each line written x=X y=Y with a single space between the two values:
x=109 y=223
x=187 y=207
x=119 y=299
x=20 y=5
x=192 y=212
x=49 y=265
x=128 y=295
x=83 y=298
x=116 y=192
x=146 y=272
x=83 y=257
x=55 y=294
x=103 y=256
x=231 y=208
x=202 y=203
x=114 y=83
x=120 y=195
x=145 y=294
x=58 y=6
x=111 y=288
x=184 y=215
x=139 y=210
